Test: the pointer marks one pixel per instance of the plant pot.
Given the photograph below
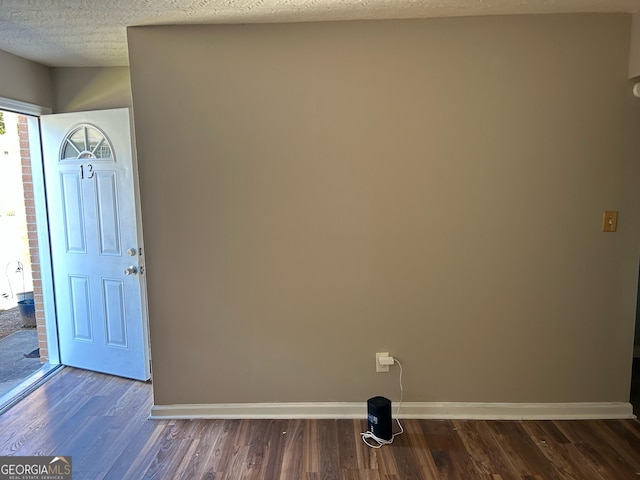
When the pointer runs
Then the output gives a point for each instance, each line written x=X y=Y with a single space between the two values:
x=27 y=312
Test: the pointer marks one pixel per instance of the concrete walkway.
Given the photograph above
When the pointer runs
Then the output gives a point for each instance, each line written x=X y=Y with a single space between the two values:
x=14 y=366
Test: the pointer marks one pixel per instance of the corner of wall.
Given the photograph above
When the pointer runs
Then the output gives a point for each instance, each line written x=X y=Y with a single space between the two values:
x=90 y=88
x=24 y=80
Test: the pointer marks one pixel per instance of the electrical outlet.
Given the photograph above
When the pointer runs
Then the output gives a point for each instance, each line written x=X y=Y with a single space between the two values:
x=379 y=366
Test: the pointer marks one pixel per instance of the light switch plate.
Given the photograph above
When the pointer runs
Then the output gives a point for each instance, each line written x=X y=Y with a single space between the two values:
x=610 y=221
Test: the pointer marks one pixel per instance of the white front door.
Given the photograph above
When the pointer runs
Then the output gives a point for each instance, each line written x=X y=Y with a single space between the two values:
x=95 y=242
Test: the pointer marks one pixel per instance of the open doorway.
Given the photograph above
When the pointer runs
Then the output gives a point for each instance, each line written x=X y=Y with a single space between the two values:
x=78 y=202
x=24 y=349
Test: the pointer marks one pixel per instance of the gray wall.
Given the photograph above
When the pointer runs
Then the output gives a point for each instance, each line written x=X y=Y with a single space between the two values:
x=64 y=89
x=315 y=193
x=634 y=51
x=23 y=80
x=634 y=72
x=92 y=88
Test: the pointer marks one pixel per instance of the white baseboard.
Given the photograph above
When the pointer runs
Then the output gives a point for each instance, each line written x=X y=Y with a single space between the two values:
x=427 y=410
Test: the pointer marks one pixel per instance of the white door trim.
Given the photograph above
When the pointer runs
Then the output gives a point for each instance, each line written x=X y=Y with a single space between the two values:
x=138 y=212
x=23 y=107
x=44 y=243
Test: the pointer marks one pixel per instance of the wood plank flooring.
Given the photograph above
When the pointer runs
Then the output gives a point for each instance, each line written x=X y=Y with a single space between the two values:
x=101 y=421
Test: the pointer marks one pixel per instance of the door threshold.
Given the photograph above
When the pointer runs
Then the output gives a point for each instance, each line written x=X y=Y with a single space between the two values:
x=28 y=385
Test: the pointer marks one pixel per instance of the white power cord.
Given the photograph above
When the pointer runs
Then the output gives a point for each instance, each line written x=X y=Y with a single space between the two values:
x=381 y=441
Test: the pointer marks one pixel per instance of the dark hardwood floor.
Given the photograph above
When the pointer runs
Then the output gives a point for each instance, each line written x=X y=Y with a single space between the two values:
x=101 y=421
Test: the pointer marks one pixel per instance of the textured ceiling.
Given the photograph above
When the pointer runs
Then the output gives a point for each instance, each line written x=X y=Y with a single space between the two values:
x=93 y=32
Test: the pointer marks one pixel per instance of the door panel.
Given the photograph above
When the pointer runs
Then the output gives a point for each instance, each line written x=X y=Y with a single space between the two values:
x=80 y=300
x=93 y=221
x=114 y=312
x=108 y=221
x=73 y=219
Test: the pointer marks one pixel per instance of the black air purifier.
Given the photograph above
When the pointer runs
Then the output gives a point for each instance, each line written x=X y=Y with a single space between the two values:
x=379 y=415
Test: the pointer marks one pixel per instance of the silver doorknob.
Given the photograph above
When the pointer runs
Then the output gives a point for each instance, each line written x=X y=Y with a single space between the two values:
x=130 y=270
x=132 y=252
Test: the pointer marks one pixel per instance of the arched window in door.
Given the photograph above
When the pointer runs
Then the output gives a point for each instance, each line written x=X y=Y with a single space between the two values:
x=86 y=141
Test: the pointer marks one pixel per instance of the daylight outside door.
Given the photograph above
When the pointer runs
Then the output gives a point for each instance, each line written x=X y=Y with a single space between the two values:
x=95 y=246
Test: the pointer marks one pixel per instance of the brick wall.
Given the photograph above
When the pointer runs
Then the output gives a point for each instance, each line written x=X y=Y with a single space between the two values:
x=27 y=182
